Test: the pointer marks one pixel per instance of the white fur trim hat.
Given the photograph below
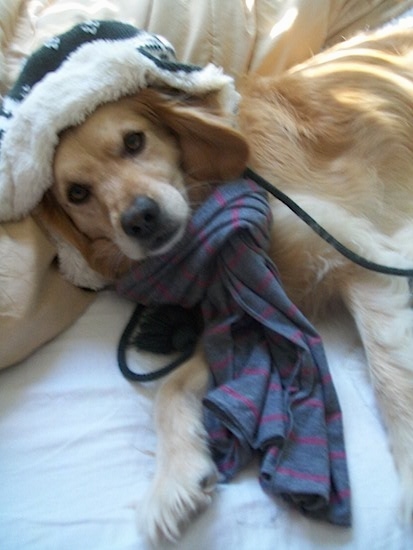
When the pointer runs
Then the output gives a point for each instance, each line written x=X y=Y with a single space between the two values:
x=66 y=80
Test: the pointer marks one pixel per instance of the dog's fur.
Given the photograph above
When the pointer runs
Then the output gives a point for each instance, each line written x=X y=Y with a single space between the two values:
x=336 y=134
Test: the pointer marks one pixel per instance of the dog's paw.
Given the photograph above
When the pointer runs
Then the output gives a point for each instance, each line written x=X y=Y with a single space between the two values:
x=177 y=495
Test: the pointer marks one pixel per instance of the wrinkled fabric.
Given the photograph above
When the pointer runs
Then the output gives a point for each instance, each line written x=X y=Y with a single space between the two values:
x=264 y=36
x=271 y=388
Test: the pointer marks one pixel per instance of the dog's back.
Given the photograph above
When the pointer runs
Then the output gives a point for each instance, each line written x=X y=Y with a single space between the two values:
x=336 y=134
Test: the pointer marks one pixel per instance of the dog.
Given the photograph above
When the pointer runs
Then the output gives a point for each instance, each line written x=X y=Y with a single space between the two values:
x=336 y=135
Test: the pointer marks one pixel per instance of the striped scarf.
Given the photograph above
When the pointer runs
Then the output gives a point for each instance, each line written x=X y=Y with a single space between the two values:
x=271 y=391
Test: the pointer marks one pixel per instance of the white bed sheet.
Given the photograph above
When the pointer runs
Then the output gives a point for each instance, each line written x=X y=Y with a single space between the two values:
x=77 y=452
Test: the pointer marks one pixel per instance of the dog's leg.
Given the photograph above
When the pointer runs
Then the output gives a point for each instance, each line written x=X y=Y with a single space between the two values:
x=185 y=473
x=381 y=306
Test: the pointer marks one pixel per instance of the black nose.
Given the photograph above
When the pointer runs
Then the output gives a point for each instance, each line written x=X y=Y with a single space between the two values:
x=142 y=218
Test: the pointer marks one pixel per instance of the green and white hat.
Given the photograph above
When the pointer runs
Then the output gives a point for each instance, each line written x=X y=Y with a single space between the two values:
x=67 y=79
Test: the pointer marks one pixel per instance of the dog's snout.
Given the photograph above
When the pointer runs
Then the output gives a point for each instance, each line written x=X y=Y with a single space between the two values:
x=153 y=226
x=142 y=218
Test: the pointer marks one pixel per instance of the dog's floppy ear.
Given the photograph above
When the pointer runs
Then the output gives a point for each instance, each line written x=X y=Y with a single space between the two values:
x=212 y=150
x=101 y=255
x=56 y=222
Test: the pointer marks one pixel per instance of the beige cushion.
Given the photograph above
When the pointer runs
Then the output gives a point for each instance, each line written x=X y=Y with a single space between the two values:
x=36 y=303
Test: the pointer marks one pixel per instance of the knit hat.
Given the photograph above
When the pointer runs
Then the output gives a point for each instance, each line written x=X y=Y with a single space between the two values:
x=66 y=80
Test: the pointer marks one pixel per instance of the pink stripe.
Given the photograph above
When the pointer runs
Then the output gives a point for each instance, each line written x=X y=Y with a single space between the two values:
x=235 y=217
x=297 y=337
x=303 y=475
x=327 y=379
x=247 y=402
x=314 y=340
x=218 y=434
x=218 y=329
x=315 y=403
x=335 y=417
x=292 y=310
x=225 y=466
x=251 y=184
x=189 y=276
x=309 y=440
x=265 y=282
x=222 y=364
x=255 y=372
x=204 y=239
x=337 y=455
x=306 y=372
x=267 y=312
x=341 y=495
x=220 y=198
x=274 y=417
x=274 y=451
x=162 y=289
x=237 y=258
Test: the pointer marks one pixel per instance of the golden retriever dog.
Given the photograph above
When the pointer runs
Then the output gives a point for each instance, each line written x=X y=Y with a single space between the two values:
x=336 y=135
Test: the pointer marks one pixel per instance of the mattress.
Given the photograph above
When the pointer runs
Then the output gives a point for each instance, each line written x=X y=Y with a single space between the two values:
x=77 y=453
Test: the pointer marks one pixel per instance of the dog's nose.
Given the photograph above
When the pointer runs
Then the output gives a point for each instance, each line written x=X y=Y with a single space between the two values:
x=141 y=220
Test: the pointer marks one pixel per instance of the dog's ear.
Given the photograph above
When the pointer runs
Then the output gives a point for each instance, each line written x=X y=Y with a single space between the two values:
x=100 y=254
x=212 y=150
x=51 y=216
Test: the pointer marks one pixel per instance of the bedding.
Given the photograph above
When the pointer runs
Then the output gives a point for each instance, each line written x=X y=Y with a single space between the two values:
x=77 y=442
x=77 y=453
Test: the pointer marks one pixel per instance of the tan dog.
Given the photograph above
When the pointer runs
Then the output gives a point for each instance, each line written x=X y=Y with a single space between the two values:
x=336 y=134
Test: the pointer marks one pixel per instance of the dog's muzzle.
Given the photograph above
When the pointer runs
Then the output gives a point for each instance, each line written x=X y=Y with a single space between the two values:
x=146 y=222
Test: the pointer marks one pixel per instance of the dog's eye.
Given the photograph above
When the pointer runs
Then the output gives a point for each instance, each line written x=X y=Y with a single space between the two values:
x=134 y=142
x=78 y=193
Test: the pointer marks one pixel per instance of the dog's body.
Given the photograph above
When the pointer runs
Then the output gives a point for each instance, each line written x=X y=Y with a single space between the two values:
x=336 y=134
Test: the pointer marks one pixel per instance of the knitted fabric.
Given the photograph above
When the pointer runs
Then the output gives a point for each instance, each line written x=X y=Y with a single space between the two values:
x=271 y=391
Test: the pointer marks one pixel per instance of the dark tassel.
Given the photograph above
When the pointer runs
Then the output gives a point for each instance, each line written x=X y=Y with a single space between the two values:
x=168 y=329
x=160 y=329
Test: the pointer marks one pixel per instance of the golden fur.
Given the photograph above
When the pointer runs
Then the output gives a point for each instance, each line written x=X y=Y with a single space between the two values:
x=336 y=134
x=181 y=144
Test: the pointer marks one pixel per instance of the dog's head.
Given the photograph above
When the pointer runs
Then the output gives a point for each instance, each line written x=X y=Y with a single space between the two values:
x=125 y=180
